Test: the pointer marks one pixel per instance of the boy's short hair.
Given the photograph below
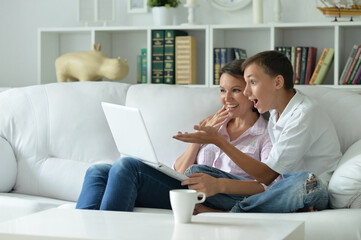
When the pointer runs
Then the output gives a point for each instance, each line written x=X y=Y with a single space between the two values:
x=274 y=63
x=233 y=68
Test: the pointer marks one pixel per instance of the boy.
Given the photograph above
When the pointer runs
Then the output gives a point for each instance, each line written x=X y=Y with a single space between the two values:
x=302 y=135
x=305 y=148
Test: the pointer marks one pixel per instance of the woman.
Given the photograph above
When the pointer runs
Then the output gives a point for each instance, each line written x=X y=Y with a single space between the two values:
x=129 y=183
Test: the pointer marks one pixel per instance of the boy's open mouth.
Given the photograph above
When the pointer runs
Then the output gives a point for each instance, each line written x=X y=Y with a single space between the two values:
x=255 y=101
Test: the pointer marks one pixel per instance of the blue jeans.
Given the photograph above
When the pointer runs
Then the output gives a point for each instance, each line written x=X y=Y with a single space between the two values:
x=126 y=184
x=130 y=183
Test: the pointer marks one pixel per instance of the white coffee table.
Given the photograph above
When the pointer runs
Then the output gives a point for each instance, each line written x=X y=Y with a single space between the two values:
x=86 y=224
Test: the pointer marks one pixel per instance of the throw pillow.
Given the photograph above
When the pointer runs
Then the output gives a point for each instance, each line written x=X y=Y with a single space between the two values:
x=8 y=166
x=345 y=184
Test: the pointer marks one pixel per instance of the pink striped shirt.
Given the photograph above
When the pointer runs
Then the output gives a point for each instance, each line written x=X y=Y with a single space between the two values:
x=254 y=142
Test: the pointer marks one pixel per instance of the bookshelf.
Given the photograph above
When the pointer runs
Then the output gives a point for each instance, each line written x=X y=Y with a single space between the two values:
x=126 y=42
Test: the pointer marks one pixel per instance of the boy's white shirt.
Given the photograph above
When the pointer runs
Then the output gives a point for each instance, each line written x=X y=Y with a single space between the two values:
x=303 y=138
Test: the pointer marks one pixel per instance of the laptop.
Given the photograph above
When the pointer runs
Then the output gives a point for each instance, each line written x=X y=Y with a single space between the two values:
x=127 y=121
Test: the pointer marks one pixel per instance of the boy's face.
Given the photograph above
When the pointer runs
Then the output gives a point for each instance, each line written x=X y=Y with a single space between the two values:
x=260 y=88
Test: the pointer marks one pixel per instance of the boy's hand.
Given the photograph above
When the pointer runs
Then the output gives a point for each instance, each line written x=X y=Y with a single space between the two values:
x=202 y=182
x=204 y=135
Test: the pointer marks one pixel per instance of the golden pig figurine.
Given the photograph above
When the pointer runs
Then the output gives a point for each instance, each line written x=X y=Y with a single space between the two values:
x=90 y=66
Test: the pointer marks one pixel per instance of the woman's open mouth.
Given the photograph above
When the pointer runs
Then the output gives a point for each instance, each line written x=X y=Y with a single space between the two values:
x=231 y=107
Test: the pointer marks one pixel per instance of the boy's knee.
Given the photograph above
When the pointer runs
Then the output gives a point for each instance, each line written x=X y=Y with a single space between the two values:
x=196 y=168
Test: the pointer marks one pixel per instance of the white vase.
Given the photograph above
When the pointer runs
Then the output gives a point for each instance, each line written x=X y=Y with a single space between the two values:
x=162 y=16
x=257 y=11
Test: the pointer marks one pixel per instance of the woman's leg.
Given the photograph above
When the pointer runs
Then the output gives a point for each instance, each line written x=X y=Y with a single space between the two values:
x=94 y=185
x=132 y=183
x=298 y=190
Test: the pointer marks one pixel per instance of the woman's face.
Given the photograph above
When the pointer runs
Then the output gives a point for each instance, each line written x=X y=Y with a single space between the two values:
x=232 y=97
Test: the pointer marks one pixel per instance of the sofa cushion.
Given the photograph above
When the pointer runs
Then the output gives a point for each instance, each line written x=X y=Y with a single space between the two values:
x=57 y=131
x=344 y=109
x=345 y=184
x=167 y=109
x=8 y=166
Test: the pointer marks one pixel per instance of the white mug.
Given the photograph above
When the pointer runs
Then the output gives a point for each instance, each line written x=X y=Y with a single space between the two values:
x=183 y=202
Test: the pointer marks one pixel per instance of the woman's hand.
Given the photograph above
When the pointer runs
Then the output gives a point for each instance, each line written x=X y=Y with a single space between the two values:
x=202 y=182
x=203 y=135
x=216 y=120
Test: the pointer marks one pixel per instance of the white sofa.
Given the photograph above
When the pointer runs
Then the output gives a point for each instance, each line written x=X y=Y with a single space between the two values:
x=50 y=134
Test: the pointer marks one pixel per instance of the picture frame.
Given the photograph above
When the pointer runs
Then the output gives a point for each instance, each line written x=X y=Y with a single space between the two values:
x=137 y=6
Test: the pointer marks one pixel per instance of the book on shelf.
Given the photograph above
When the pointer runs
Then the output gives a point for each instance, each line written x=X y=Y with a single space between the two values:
x=356 y=79
x=169 y=54
x=293 y=59
x=298 y=65
x=139 y=68
x=325 y=67
x=158 y=56
x=319 y=65
x=303 y=64
x=186 y=57
x=216 y=65
x=354 y=72
x=302 y=59
x=143 y=65
x=352 y=66
x=348 y=63
x=311 y=62
x=222 y=56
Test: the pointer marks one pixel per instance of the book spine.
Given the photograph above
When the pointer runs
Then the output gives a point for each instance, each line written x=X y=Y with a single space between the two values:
x=144 y=66
x=348 y=64
x=217 y=65
x=303 y=64
x=186 y=60
x=223 y=57
x=298 y=65
x=278 y=49
x=139 y=68
x=311 y=61
x=293 y=60
x=288 y=52
x=157 y=56
x=325 y=66
x=354 y=72
x=230 y=55
x=318 y=66
x=357 y=76
x=353 y=63
x=169 y=54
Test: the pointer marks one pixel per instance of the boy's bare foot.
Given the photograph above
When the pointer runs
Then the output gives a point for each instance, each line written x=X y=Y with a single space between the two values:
x=199 y=208
x=307 y=209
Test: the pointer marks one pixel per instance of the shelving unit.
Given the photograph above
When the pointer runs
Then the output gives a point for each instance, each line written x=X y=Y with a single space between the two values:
x=126 y=42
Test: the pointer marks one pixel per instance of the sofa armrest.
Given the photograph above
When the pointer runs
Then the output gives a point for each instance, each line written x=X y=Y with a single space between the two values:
x=8 y=166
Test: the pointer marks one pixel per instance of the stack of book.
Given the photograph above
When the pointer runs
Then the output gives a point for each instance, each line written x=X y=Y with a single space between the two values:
x=164 y=55
x=222 y=56
x=142 y=68
x=323 y=66
x=303 y=61
x=351 y=73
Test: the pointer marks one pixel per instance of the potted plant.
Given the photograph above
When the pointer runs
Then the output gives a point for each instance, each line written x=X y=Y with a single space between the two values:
x=163 y=3
x=163 y=11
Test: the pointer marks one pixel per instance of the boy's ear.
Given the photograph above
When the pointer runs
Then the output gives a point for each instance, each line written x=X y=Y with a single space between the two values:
x=279 y=82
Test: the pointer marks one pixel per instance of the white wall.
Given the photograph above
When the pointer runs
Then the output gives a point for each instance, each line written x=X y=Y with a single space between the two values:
x=20 y=19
